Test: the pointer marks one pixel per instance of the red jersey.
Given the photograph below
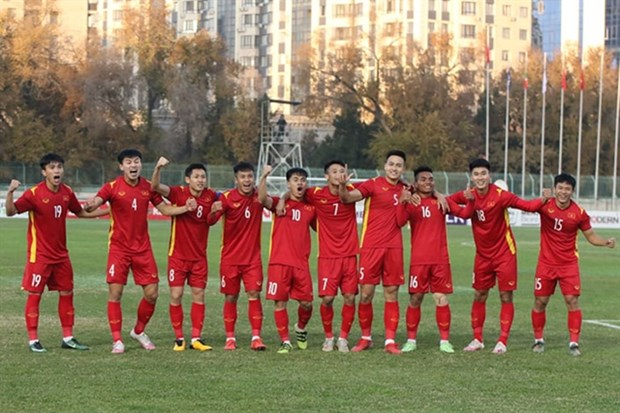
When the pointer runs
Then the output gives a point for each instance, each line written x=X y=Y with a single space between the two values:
x=558 y=233
x=189 y=231
x=379 y=228
x=47 y=218
x=290 y=234
x=429 y=243
x=241 y=234
x=336 y=223
x=490 y=221
x=129 y=232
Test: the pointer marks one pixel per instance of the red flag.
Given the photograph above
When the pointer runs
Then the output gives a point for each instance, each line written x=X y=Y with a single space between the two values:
x=487 y=54
x=582 y=81
x=563 y=79
x=526 y=84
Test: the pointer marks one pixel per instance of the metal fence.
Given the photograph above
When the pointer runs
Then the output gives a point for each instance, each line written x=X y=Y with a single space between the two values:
x=220 y=177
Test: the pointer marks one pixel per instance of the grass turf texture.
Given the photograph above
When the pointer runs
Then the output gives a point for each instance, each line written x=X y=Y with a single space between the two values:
x=426 y=380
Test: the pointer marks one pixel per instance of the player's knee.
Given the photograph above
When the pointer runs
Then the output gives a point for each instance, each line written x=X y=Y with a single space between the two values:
x=440 y=299
x=328 y=300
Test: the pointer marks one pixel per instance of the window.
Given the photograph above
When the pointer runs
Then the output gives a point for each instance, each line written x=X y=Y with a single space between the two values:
x=189 y=25
x=247 y=42
x=248 y=20
x=468 y=31
x=523 y=34
x=431 y=27
x=523 y=12
x=467 y=55
x=521 y=57
x=54 y=18
x=117 y=15
x=445 y=6
x=468 y=8
x=506 y=32
x=389 y=6
x=506 y=10
x=431 y=5
x=340 y=10
x=489 y=9
x=444 y=28
x=505 y=55
x=189 y=6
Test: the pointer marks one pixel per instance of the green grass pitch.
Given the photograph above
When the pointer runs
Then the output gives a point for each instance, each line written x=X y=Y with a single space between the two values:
x=426 y=380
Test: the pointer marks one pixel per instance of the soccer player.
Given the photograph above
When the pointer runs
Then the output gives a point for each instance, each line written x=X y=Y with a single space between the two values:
x=129 y=245
x=337 y=258
x=48 y=260
x=381 y=253
x=241 y=253
x=187 y=251
x=429 y=269
x=496 y=250
x=288 y=274
x=558 y=260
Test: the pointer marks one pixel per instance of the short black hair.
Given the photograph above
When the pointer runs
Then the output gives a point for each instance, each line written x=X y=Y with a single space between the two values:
x=332 y=162
x=243 y=167
x=396 y=152
x=565 y=178
x=479 y=163
x=192 y=166
x=129 y=153
x=421 y=169
x=296 y=171
x=48 y=158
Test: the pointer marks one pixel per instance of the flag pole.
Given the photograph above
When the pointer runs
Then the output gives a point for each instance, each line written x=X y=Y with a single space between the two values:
x=542 y=131
x=615 y=176
x=525 y=86
x=582 y=85
x=487 y=70
x=598 y=127
x=561 y=117
x=508 y=80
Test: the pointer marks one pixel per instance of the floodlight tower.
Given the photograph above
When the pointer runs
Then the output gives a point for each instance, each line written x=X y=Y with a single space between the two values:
x=277 y=146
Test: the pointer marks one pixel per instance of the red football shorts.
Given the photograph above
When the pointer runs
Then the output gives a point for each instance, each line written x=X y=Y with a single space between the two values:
x=284 y=282
x=486 y=271
x=194 y=273
x=142 y=266
x=547 y=277
x=381 y=264
x=231 y=276
x=433 y=278
x=57 y=276
x=334 y=273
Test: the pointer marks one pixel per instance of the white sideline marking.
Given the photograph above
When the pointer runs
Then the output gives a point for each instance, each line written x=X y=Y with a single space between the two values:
x=603 y=324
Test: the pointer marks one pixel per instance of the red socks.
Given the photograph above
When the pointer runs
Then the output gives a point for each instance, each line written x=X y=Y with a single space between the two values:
x=348 y=315
x=197 y=315
x=538 y=323
x=412 y=319
x=281 y=319
x=176 y=319
x=145 y=311
x=327 y=318
x=574 y=325
x=230 y=318
x=115 y=319
x=303 y=316
x=506 y=315
x=390 y=318
x=478 y=314
x=66 y=313
x=443 y=318
x=31 y=314
x=364 y=314
x=255 y=314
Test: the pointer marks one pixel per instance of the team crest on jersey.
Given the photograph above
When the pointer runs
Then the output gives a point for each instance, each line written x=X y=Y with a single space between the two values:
x=145 y=193
x=307 y=207
x=121 y=193
x=236 y=204
x=45 y=200
x=65 y=198
x=491 y=204
x=551 y=210
x=323 y=201
x=385 y=188
x=433 y=202
x=572 y=215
